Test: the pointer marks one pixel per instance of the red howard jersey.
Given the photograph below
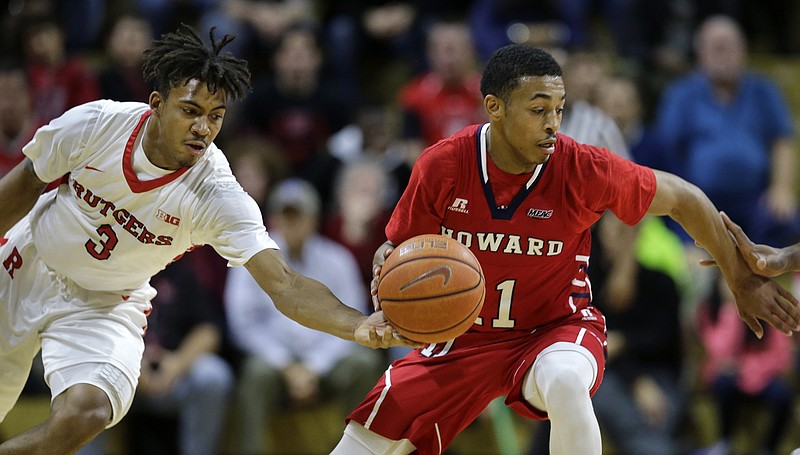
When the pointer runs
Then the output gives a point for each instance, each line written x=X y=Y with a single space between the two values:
x=534 y=251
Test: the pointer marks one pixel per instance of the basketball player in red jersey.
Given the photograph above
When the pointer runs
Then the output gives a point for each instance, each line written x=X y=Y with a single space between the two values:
x=522 y=198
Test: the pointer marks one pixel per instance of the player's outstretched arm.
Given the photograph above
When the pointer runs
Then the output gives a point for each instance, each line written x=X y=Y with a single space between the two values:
x=19 y=190
x=757 y=298
x=312 y=304
x=764 y=259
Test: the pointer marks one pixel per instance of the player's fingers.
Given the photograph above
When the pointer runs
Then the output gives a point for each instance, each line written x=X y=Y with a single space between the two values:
x=377 y=337
x=708 y=263
x=779 y=324
x=754 y=325
x=779 y=321
x=406 y=342
x=738 y=234
x=790 y=309
x=373 y=291
x=373 y=287
x=376 y=275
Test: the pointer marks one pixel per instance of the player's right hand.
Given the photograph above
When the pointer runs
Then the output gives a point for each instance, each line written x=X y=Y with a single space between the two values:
x=375 y=331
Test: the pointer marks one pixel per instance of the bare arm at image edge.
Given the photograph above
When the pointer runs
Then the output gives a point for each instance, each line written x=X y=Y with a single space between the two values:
x=19 y=191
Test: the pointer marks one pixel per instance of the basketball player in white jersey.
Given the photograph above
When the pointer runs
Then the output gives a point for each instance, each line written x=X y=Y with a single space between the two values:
x=140 y=184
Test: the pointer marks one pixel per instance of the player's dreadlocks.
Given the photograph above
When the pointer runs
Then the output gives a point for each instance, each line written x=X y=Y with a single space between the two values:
x=181 y=56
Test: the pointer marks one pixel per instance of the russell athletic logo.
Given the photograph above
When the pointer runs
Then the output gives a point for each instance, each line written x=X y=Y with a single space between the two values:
x=440 y=270
x=459 y=205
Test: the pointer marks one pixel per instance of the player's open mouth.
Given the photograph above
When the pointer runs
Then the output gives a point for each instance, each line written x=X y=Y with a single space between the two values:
x=196 y=147
x=548 y=146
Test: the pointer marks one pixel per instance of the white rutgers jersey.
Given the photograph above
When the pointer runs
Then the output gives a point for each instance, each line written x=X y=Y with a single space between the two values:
x=109 y=231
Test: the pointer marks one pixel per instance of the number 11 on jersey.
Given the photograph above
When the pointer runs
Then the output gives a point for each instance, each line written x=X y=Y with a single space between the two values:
x=503 y=319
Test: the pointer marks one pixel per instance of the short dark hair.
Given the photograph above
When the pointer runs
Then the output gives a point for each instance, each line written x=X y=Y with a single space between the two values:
x=180 y=56
x=510 y=63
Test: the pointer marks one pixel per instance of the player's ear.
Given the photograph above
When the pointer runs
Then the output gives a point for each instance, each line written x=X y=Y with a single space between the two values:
x=155 y=101
x=494 y=106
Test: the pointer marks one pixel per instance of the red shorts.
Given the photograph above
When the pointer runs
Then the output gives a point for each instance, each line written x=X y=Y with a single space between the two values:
x=432 y=394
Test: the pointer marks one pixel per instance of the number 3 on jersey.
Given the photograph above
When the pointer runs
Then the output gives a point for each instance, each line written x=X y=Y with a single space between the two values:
x=503 y=319
x=108 y=240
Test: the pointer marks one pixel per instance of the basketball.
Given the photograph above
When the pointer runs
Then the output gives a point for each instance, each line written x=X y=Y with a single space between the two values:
x=431 y=288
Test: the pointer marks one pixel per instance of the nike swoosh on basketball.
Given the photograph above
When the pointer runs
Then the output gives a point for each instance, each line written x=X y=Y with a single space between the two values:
x=441 y=270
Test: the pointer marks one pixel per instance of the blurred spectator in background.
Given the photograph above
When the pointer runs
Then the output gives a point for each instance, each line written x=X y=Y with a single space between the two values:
x=286 y=363
x=122 y=79
x=376 y=46
x=360 y=212
x=770 y=23
x=299 y=108
x=641 y=401
x=165 y=15
x=258 y=165
x=17 y=119
x=744 y=373
x=446 y=98
x=57 y=80
x=381 y=126
x=548 y=23
x=729 y=131
x=621 y=99
x=584 y=71
x=257 y=24
x=375 y=134
x=653 y=38
x=82 y=22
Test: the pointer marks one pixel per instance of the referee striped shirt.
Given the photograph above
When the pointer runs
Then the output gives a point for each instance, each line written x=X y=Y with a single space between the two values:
x=590 y=125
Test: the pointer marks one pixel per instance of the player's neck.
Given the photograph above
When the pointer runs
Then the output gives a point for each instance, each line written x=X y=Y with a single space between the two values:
x=500 y=152
x=153 y=147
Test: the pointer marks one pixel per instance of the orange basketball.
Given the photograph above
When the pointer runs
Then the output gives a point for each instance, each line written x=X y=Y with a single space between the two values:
x=431 y=288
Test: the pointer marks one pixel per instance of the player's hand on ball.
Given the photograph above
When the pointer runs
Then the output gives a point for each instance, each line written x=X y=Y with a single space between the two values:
x=375 y=331
x=377 y=264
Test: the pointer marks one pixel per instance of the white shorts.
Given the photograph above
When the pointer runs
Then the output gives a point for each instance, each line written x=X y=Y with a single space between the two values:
x=73 y=326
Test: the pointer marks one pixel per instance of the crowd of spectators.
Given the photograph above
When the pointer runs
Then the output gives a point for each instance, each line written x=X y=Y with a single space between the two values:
x=346 y=96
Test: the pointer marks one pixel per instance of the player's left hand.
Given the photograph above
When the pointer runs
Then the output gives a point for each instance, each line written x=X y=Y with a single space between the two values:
x=377 y=264
x=375 y=331
x=761 y=299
